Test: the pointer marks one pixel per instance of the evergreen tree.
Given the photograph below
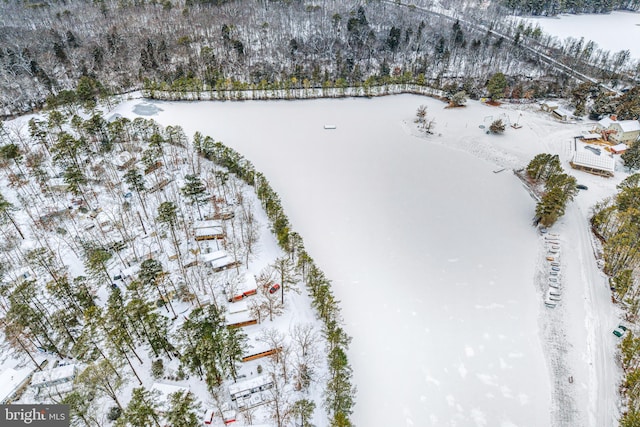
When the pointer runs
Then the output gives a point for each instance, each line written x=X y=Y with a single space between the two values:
x=209 y=348
x=496 y=86
x=5 y=208
x=497 y=126
x=142 y=410
x=135 y=181
x=194 y=190
x=631 y=157
x=303 y=410
x=184 y=410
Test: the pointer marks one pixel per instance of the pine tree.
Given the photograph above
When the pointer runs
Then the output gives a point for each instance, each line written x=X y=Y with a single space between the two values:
x=631 y=157
x=496 y=86
x=135 y=181
x=209 y=348
x=167 y=214
x=303 y=410
x=194 y=190
x=102 y=377
x=497 y=126
x=5 y=208
x=184 y=410
x=142 y=410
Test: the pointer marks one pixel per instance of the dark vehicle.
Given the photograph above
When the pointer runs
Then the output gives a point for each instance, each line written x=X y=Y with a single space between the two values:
x=274 y=288
x=582 y=187
x=619 y=331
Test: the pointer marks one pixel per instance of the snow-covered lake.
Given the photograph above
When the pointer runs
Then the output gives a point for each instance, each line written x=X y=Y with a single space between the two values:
x=614 y=31
x=431 y=253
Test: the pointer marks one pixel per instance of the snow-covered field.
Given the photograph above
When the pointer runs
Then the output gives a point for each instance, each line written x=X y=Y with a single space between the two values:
x=432 y=254
x=614 y=32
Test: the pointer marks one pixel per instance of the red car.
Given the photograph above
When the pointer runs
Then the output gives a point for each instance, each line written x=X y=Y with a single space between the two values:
x=274 y=288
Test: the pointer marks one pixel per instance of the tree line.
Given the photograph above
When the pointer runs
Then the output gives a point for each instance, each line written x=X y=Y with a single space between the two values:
x=554 y=7
x=340 y=393
x=110 y=46
x=616 y=222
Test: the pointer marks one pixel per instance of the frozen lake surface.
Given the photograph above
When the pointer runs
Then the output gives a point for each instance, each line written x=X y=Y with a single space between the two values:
x=613 y=32
x=431 y=253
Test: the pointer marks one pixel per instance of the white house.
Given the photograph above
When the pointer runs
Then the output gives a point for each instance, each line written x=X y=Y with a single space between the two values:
x=55 y=381
x=626 y=131
x=243 y=391
x=623 y=131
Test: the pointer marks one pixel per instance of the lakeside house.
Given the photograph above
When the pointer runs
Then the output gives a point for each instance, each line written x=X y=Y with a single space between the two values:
x=219 y=260
x=249 y=393
x=620 y=132
x=208 y=230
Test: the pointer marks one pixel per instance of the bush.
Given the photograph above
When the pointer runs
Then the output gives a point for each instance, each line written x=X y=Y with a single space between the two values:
x=157 y=368
x=114 y=413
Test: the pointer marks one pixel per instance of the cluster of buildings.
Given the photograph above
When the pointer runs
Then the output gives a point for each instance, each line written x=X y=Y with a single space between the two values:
x=598 y=145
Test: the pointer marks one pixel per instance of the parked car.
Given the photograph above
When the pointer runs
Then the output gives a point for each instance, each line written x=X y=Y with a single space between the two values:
x=555 y=264
x=554 y=268
x=274 y=288
x=582 y=187
x=619 y=331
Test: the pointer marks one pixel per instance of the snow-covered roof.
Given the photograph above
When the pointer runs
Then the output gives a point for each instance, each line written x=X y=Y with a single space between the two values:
x=550 y=104
x=11 y=380
x=605 y=122
x=586 y=158
x=619 y=147
x=164 y=391
x=247 y=282
x=241 y=317
x=208 y=223
x=208 y=231
x=213 y=256
x=629 y=125
x=589 y=135
x=217 y=259
x=562 y=112
x=250 y=384
x=238 y=307
x=60 y=373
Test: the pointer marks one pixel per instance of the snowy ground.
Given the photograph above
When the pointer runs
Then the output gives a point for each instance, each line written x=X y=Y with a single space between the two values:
x=440 y=274
x=614 y=32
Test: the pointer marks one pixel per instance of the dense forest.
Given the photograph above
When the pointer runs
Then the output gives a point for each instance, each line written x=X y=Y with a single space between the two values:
x=122 y=195
x=105 y=47
x=553 y=7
